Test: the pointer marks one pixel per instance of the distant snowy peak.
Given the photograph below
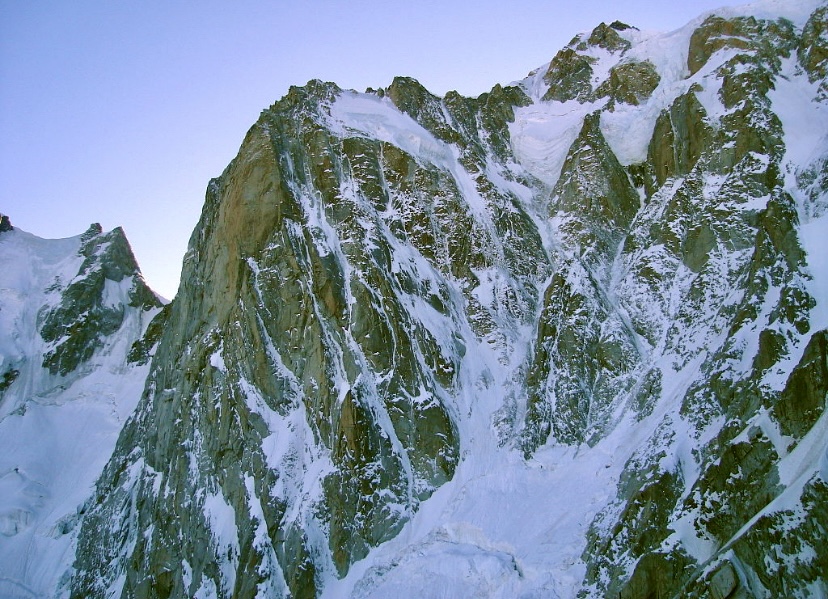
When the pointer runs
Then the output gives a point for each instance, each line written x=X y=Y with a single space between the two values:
x=622 y=40
x=73 y=313
x=632 y=77
x=62 y=301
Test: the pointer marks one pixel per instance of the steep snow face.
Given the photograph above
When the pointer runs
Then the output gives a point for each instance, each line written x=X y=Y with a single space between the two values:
x=567 y=338
x=60 y=418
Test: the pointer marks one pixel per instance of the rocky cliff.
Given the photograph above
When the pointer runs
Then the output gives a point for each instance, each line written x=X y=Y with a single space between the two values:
x=567 y=338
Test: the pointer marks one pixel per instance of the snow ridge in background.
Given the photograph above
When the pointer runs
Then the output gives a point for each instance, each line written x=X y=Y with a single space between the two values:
x=56 y=432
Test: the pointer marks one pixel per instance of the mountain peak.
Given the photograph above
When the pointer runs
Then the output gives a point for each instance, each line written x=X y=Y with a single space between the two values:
x=92 y=231
x=620 y=26
x=607 y=37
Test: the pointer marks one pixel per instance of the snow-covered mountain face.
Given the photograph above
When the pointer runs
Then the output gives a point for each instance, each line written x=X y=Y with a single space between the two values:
x=568 y=338
x=70 y=312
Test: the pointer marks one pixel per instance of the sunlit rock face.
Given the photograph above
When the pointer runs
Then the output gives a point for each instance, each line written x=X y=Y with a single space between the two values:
x=567 y=338
x=306 y=380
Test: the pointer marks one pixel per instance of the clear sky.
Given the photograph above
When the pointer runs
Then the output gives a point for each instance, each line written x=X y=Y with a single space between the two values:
x=120 y=112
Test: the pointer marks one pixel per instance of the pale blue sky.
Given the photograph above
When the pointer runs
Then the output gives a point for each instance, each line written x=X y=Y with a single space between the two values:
x=120 y=112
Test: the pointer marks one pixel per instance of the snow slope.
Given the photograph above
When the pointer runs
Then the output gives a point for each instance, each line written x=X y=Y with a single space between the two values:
x=56 y=432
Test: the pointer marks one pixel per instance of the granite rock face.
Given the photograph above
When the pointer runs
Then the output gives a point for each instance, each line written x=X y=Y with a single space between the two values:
x=397 y=306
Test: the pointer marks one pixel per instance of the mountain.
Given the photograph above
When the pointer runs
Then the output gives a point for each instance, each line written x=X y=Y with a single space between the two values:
x=565 y=339
x=70 y=311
